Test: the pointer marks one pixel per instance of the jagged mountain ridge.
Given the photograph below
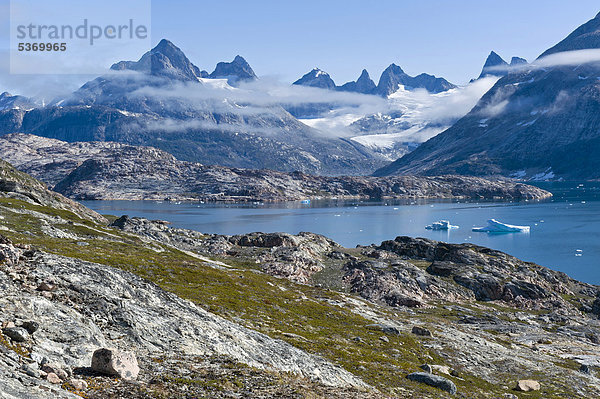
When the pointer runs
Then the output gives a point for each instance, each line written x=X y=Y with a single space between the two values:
x=496 y=66
x=390 y=81
x=161 y=105
x=364 y=84
x=535 y=123
x=493 y=61
x=234 y=71
x=166 y=60
x=393 y=76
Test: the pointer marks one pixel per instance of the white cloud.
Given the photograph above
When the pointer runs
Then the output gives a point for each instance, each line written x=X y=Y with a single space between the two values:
x=443 y=107
x=423 y=114
x=565 y=58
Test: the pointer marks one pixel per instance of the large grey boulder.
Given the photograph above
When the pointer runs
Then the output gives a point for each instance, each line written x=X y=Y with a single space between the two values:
x=115 y=362
x=433 y=380
x=528 y=385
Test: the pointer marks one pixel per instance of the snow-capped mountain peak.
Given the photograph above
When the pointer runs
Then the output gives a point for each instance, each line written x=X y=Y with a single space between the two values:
x=166 y=60
x=316 y=78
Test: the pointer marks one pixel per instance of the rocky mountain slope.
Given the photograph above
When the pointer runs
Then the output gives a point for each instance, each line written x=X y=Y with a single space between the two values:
x=96 y=170
x=279 y=315
x=9 y=101
x=538 y=122
x=18 y=185
x=163 y=100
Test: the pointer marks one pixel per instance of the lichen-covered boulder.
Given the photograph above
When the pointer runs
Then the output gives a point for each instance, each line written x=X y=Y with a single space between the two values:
x=117 y=363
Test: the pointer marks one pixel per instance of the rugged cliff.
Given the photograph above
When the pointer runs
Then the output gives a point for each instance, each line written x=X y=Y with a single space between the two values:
x=96 y=170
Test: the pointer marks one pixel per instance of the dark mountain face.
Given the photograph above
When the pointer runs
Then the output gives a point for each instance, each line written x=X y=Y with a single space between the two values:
x=391 y=78
x=534 y=121
x=394 y=76
x=165 y=60
x=164 y=106
x=235 y=71
x=493 y=66
x=496 y=66
x=316 y=78
x=364 y=84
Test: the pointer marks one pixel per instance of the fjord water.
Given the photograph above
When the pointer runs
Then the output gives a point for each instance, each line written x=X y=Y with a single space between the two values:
x=565 y=231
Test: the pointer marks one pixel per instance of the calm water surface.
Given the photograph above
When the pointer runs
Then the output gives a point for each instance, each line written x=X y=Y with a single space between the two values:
x=565 y=231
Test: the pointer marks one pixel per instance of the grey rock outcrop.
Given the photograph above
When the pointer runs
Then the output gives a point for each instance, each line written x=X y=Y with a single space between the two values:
x=16 y=184
x=97 y=302
x=115 y=171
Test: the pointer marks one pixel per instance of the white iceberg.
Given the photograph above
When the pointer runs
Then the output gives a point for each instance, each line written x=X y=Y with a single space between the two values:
x=495 y=226
x=441 y=225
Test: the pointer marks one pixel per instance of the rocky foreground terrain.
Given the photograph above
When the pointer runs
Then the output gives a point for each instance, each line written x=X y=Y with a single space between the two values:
x=103 y=171
x=131 y=308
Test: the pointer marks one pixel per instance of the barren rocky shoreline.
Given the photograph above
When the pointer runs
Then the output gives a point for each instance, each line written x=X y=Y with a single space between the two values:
x=112 y=171
x=274 y=315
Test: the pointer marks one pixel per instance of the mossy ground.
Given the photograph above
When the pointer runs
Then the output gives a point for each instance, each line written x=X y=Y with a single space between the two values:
x=314 y=319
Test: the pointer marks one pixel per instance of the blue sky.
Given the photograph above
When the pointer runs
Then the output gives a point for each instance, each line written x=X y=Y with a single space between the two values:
x=288 y=38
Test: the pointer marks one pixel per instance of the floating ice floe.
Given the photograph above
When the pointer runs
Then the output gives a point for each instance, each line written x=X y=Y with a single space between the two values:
x=441 y=225
x=495 y=226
